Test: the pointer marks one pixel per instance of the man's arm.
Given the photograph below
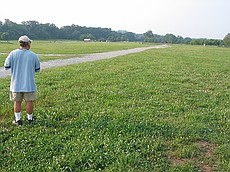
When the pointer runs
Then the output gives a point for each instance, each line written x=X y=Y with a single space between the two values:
x=37 y=65
x=7 y=63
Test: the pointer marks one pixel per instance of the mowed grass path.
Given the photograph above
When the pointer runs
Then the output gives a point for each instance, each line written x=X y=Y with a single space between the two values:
x=158 y=110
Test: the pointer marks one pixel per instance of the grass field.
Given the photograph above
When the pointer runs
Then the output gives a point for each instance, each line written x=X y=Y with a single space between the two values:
x=51 y=50
x=158 y=110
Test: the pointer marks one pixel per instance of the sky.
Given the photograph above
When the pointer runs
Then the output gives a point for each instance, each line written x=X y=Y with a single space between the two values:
x=186 y=18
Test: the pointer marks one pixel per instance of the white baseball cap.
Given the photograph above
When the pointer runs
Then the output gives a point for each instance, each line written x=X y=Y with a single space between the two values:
x=24 y=38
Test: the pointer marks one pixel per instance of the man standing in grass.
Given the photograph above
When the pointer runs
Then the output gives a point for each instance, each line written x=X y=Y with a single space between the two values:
x=23 y=64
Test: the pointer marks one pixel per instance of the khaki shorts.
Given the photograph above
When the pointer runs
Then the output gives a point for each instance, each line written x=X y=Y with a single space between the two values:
x=19 y=96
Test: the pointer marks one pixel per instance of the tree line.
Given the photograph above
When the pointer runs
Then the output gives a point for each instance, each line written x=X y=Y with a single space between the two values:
x=172 y=39
x=10 y=31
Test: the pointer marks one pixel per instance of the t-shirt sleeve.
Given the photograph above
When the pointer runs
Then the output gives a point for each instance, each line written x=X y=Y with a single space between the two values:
x=7 y=63
x=37 y=65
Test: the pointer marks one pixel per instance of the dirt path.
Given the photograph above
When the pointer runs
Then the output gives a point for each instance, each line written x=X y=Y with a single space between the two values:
x=85 y=58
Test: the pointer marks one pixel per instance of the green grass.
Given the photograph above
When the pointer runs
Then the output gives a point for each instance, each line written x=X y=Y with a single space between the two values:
x=67 y=49
x=158 y=110
x=76 y=47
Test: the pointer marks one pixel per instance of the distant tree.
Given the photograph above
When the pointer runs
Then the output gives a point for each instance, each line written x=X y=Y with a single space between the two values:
x=129 y=36
x=170 y=38
x=214 y=42
x=115 y=36
x=201 y=41
x=158 y=38
x=101 y=39
x=187 y=40
x=227 y=40
x=179 y=39
x=197 y=41
x=76 y=35
x=8 y=22
x=49 y=31
x=5 y=36
x=148 y=34
x=34 y=29
x=87 y=36
x=139 y=37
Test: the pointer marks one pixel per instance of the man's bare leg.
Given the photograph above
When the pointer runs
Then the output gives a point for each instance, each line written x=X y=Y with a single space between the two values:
x=17 y=112
x=29 y=110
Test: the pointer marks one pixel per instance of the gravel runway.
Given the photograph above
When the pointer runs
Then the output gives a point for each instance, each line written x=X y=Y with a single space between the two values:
x=85 y=58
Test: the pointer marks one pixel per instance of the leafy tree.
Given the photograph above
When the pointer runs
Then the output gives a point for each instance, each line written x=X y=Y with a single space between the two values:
x=170 y=38
x=87 y=36
x=227 y=40
x=186 y=40
x=214 y=42
x=139 y=37
x=148 y=34
x=5 y=36
x=51 y=30
x=179 y=39
x=197 y=42
x=115 y=36
x=76 y=35
x=8 y=22
x=129 y=36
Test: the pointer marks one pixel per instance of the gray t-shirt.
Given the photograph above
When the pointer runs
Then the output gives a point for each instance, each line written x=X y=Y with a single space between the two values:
x=23 y=64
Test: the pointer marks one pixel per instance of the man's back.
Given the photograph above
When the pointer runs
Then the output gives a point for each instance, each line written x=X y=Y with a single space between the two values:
x=23 y=63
